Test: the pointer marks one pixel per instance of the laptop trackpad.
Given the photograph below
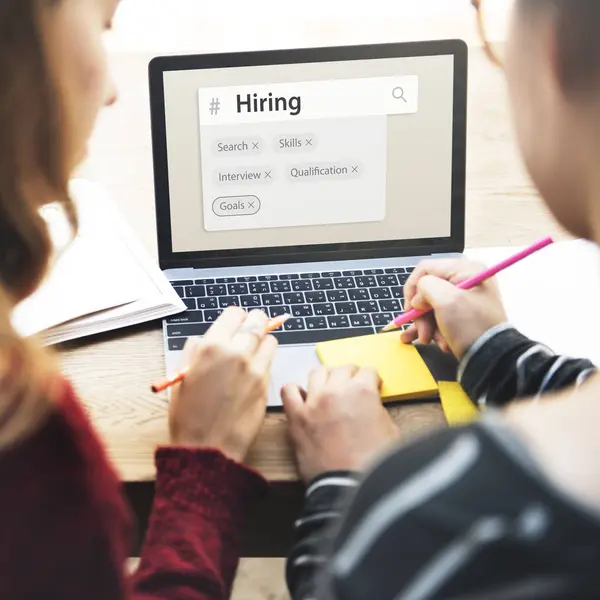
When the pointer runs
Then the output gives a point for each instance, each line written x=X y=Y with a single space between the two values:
x=291 y=365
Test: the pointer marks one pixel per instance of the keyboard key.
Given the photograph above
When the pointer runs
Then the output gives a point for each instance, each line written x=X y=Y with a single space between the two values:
x=226 y=280
x=359 y=294
x=182 y=282
x=410 y=269
x=344 y=283
x=314 y=297
x=294 y=298
x=289 y=277
x=208 y=302
x=189 y=316
x=277 y=311
x=272 y=299
x=250 y=301
x=280 y=286
x=204 y=281
x=195 y=291
x=225 y=301
x=302 y=285
x=187 y=330
x=324 y=309
x=394 y=305
x=368 y=307
x=396 y=270
x=262 y=287
x=382 y=319
x=310 y=275
x=402 y=279
x=373 y=271
x=245 y=279
x=314 y=336
x=268 y=278
x=346 y=308
x=316 y=323
x=365 y=282
x=180 y=292
x=331 y=274
x=210 y=316
x=398 y=292
x=387 y=280
x=302 y=310
x=237 y=289
x=380 y=293
x=323 y=284
x=354 y=273
x=190 y=303
x=294 y=325
x=337 y=296
x=360 y=320
x=177 y=343
x=338 y=321
x=215 y=290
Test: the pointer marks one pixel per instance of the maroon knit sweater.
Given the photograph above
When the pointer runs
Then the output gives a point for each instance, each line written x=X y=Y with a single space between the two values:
x=64 y=525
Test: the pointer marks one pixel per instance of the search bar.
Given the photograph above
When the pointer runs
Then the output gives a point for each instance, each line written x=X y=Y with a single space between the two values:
x=297 y=101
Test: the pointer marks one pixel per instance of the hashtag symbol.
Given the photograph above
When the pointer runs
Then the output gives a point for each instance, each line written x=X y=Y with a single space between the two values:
x=215 y=106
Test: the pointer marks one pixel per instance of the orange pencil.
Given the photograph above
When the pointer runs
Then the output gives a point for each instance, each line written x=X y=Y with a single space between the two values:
x=274 y=324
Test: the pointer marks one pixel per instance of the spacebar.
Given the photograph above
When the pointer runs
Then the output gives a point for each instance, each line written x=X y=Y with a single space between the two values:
x=320 y=335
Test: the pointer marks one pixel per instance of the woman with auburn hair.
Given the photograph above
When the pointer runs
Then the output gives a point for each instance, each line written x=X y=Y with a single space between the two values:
x=64 y=526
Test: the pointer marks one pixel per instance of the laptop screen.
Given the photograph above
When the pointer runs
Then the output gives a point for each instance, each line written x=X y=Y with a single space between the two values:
x=308 y=154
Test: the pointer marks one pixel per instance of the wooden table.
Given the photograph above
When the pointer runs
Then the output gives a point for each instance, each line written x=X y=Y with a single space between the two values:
x=112 y=372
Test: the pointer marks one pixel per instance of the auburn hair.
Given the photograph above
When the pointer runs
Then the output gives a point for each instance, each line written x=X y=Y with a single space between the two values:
x=32 y=170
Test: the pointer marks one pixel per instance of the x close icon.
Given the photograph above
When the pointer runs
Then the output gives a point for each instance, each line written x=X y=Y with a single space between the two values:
x=309 y=141
x=267 y=174
x=255 y=145
x=355 y=169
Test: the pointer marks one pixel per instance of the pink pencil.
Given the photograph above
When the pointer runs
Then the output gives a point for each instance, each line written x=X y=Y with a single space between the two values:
x=413 y=314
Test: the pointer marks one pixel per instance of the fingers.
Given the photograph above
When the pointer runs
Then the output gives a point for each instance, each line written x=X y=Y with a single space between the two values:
x=370 y=377
x=452 y=270
x=293 y=401
x=317 y=379
x=226 y=325
x=408 y=336
x=251 y=333
x=342 y=375
x=263 y=357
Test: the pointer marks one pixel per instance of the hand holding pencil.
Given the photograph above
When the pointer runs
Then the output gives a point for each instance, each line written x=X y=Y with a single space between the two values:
x=459 y=316
x=222 y=401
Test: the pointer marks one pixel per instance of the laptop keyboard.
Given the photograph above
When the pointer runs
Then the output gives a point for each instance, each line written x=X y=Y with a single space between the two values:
x=324 y=305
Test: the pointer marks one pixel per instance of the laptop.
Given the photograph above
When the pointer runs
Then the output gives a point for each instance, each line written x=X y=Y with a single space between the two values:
x=306 y=181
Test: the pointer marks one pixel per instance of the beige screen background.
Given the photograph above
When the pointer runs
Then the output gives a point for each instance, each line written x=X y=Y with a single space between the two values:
x=419 y=155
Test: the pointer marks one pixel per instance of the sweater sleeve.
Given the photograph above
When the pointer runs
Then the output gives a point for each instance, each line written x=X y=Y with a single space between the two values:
x=192 y=546
x=66 y=528
x=504 y=365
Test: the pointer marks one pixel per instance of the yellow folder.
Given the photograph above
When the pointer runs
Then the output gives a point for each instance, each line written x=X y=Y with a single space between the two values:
x=401 y=368
x=459 y=409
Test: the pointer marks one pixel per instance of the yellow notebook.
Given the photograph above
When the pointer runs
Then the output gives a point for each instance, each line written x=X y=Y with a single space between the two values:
x=401 y=368
x=459 y=409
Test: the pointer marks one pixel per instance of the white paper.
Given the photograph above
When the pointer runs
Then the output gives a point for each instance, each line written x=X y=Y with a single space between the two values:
x=104 y=279
x=553 y=296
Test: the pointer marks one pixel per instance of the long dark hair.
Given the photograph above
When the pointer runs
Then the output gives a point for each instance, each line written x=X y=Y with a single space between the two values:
x=32 y=158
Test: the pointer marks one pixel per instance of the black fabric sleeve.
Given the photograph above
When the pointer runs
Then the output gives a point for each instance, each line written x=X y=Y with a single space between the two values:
x=509 y=366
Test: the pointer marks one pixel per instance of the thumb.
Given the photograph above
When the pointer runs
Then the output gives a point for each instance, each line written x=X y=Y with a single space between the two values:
x=293 y=400
x=433 y=292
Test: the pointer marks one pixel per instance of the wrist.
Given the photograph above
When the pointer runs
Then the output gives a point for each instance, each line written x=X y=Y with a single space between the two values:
x=235 y=452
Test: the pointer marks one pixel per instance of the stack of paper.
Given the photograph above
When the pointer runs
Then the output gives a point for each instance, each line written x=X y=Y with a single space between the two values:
x=103 y=280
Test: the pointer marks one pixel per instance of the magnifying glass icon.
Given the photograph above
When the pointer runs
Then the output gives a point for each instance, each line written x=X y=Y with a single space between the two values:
x=398 y=94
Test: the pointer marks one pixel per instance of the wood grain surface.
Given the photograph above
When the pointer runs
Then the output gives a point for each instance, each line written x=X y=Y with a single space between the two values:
x=113 y=372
